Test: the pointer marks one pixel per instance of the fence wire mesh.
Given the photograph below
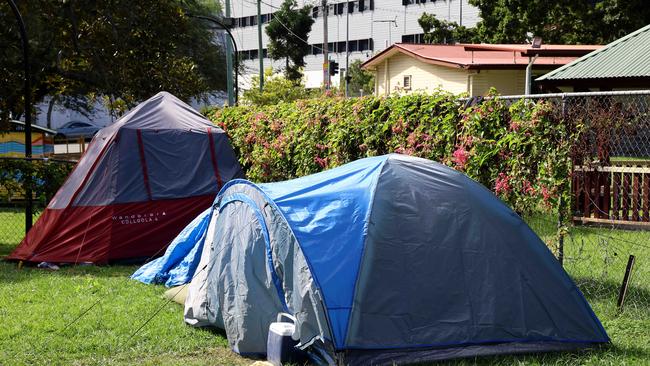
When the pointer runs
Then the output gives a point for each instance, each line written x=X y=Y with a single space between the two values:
x=46 y=177
x=609 y=212
x=609 y=216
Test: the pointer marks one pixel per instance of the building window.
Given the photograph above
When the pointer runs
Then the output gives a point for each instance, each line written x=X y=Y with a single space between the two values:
x=413 y=38
x=338 y=8
x=407 y=82
x=354 y=45
x=314 y=12
x=351 y=6
x=365 y=44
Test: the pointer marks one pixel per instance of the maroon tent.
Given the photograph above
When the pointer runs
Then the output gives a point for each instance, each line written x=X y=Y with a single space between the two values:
x=140 y=182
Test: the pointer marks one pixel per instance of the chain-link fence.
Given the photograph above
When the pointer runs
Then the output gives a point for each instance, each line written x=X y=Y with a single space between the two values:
x=605 y=221
x=608 y=217
x=42 y=177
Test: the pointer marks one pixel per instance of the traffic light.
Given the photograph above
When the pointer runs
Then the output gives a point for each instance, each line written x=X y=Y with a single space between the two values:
x=334 y=67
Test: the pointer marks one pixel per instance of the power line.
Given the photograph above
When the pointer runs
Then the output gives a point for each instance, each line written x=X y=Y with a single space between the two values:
x=284 y=25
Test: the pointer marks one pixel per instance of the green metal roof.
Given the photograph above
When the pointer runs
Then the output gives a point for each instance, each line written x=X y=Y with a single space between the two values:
x=627 y=57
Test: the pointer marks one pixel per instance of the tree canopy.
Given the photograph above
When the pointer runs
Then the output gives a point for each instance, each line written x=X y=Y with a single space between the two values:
x=360 y=79
x=560 y=21
x=122 y=50
x=556 y=21
x=443 y=32
x=288 y=31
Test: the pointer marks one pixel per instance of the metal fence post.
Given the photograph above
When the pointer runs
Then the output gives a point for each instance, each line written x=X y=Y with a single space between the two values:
x=560 y=203
x=28 y=112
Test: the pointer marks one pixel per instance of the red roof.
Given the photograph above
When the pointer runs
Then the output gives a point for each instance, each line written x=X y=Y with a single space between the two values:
x=483 y=56
x=561 y=50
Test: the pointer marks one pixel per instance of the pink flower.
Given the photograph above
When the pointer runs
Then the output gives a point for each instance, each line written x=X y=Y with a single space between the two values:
x=322 y=162
x=279 y=143
x=259 y=116
x=250 y=138
x=460 y=157
x=404 y=151
x=546 y=195
x=467 y=140
x=528 y=188
x=502 y=184
x=514 y=126
x=411 y=139
x=276 y=126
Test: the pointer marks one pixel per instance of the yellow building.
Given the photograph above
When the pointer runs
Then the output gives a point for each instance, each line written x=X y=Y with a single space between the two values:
x=472 y=69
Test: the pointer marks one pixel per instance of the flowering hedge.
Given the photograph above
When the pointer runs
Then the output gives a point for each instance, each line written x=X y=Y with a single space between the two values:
x=520 y=151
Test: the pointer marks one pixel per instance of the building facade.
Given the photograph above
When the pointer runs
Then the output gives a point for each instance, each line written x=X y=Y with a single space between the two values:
x=466 y=68
x=374 y=25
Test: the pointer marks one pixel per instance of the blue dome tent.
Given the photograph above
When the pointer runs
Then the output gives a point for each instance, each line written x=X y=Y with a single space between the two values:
x=389 y=259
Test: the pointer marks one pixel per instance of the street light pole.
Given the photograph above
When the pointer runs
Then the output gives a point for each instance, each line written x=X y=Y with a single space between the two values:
x=234 y=44
x=260 y=50
x=28 y=115
x=347 y=51
x=231 y=96
x=326 y=61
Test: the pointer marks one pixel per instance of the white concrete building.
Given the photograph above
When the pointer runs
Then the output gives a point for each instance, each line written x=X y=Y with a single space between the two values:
x=374 y=26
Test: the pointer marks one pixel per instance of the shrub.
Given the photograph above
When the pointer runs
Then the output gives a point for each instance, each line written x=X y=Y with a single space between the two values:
x=521 y=151
x=47 y=177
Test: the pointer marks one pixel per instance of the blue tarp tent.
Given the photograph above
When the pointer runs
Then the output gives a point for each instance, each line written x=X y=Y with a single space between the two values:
x=182 y=256
x=390 y=259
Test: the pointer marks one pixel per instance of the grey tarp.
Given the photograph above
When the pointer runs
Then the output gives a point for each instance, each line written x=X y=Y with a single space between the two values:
x=234 y=287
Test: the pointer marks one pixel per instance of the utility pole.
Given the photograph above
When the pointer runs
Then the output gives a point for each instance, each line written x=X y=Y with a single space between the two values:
x=347 y=50
x=229 y=83
x=460 y=15
x=259 y=43
x=326 y=61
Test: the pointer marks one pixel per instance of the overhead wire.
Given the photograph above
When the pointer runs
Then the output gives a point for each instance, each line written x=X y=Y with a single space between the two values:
x=285 y=26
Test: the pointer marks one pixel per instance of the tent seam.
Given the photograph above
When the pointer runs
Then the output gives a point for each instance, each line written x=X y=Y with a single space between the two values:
x=363 y=248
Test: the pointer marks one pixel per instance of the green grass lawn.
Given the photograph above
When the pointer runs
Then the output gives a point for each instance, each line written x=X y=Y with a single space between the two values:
x=37 y=308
